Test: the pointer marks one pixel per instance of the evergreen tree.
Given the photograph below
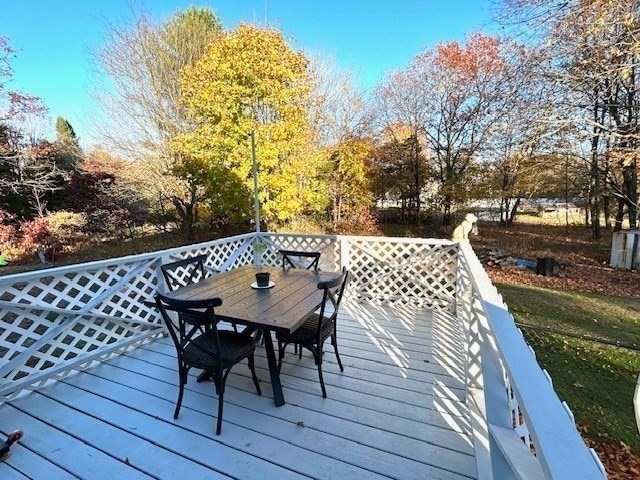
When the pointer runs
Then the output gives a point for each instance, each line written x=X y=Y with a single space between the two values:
x=65 y=132
x=68 y=152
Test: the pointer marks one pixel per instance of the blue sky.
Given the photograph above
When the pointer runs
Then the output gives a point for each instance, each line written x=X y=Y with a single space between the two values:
x=54 y=38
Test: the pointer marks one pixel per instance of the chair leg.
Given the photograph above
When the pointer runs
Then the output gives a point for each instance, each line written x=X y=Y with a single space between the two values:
x=253 y=374
x=334 y=342
x=324 y=390
x=317 y=355
x=182 y=381
x=220 y=405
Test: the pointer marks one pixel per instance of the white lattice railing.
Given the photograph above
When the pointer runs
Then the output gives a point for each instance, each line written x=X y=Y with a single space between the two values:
x=521 y=429
x=421 y=271
x=62 y=319
x=55 y=321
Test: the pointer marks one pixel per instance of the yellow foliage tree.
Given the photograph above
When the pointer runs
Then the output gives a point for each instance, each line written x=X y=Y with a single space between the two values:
x=251 y=80
x=350 y=186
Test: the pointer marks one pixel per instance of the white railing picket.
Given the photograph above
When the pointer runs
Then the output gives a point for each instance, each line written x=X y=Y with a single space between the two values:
x=539 y=420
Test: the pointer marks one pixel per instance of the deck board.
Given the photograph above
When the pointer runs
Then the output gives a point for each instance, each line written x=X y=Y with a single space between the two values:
x=397 y=411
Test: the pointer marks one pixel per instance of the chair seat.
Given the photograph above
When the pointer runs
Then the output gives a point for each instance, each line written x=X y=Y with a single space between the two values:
x=234 y=347
x=306 y=333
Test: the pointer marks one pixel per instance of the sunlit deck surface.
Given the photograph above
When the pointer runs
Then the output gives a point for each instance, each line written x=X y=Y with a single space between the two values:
x=397 y=411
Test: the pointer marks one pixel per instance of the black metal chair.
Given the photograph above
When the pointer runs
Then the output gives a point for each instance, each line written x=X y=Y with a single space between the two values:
x=199 y=344
x=289 y=257
x=318 y=327
x=310 y=259
x=184 y=272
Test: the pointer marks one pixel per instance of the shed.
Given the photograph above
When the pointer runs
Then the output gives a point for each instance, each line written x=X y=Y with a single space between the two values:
x=625 y=250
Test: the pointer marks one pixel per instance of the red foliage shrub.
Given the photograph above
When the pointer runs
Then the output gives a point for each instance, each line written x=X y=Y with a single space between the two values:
x=35 y=233
x=8 y=233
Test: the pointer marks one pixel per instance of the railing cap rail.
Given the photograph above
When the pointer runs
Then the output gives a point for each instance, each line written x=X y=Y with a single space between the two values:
x=84 y=266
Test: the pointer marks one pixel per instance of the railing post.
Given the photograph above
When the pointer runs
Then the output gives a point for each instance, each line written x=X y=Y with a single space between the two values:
x=344 y=252
x=160 y=281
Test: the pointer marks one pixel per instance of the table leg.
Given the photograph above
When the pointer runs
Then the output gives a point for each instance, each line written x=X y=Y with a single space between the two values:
x=278 y=396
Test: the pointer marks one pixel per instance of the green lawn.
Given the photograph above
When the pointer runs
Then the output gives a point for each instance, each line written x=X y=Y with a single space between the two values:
x=601 y=316
x=596 y=380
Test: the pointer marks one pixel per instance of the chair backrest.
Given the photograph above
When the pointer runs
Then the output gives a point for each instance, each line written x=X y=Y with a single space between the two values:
x=311 y=259
x=184 y=272
x=332 y=296
x=193 y=317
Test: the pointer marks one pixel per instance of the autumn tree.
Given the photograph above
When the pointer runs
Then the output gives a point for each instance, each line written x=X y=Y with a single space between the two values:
x=251 y=80
x=402 y=112
x=520 y=157
x=349 y=186
x=599 y=44
x=338 y=109
x=450 y=97
x=14 y=105
x=593 y=49
x=102 y=191
x=144 y=112
x=340 y=124
x=28 y=172
x=399 y=173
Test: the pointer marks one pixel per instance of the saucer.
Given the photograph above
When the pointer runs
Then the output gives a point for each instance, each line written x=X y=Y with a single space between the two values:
x=255 y=285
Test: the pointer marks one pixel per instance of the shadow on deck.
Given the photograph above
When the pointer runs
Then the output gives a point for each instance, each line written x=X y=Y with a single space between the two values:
x=397 y=411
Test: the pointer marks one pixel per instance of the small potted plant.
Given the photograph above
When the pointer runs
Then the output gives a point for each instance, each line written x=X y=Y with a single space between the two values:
x=262 y=278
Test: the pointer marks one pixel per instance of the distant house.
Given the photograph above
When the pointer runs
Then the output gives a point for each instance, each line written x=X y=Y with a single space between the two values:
x=555 y=209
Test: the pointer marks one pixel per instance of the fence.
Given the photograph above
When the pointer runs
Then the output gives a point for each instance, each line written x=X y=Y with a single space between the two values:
x=522 y=430
x=55 y=321
x=63 y=319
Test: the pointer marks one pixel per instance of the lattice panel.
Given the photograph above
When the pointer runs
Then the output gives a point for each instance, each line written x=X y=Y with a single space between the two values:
x=221 y=256
x=65 y=318
x=417 y=272
x=79 y=337
x=325 y=245
x=126 y=298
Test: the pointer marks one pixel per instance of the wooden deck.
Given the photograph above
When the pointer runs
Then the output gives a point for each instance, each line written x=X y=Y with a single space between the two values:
x=397 y=411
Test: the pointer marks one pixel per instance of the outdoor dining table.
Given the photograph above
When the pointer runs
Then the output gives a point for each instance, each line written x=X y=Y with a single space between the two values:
x=291 y=297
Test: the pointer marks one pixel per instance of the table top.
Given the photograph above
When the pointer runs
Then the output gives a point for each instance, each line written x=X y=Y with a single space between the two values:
x=283 y=307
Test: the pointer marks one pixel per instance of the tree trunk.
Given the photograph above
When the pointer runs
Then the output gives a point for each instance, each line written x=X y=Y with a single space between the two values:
x=416 y=158
x=630 y=175
x=619 y=215
x=595 y=204
x=187 y=214
x=606 y=211
x=512 y=213
x=595 y=175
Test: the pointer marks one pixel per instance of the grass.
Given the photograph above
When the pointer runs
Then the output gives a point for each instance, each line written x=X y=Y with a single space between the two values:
x=601 y=316
x=596 y=380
